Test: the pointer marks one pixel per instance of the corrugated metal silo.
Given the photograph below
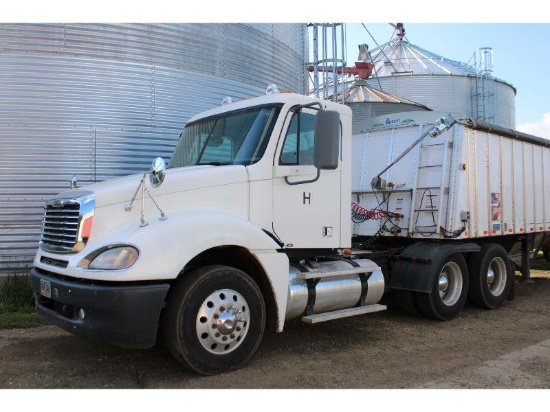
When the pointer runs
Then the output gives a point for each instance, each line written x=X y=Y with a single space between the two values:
x=367 y=102
x=411 y=72
x=101 y=100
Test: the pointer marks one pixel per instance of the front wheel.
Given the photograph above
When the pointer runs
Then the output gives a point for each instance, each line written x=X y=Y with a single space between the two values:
x=449 y=291
x=214 y=319
x=491 y=276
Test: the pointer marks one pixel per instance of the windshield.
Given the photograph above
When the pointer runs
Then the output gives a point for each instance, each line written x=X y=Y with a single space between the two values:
x=235 y=138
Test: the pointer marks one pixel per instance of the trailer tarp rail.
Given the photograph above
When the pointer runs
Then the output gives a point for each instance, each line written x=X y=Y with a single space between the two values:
x=493 y=128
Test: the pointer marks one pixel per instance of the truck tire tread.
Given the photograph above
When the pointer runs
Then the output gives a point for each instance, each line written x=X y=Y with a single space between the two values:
x=480 y=291
x=181 y=314
x=432 y=305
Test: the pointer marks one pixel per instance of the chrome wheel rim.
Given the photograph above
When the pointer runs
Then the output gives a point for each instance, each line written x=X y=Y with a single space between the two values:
x=496 y=276
x=450 y=283
x=223 y=321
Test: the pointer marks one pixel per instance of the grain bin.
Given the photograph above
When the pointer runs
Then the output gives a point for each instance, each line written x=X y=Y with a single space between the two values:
x=367 y=102
x=409 y=71
x=101 y=100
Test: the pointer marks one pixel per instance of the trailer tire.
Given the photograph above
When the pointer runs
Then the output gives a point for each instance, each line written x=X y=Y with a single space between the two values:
x=214 y=320
x=491 y=276
x=449 y=291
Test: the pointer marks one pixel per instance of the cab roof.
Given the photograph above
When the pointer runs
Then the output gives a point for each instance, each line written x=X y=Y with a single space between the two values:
x=290 y=99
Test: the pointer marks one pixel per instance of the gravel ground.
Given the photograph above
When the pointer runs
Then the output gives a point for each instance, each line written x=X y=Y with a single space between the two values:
x=508 y=348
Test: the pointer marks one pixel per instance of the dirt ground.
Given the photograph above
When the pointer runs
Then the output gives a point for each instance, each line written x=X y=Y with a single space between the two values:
x=508 y=348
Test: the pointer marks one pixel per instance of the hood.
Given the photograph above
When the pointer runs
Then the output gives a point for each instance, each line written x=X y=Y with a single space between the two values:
x=123 y=189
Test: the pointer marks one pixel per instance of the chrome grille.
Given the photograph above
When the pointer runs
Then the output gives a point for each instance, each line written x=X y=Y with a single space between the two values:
x=61 y=228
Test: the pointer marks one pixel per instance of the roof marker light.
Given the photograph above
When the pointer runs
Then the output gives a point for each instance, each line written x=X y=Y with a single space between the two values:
x=227 y=100
x=272 y=89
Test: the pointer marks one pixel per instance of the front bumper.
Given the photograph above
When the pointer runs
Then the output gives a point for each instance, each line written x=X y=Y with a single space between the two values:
x=121 y=315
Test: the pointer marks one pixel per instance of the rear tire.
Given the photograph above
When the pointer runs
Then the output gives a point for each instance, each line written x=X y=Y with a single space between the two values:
x=491 y=276
x=449 y=291
x=214 y=319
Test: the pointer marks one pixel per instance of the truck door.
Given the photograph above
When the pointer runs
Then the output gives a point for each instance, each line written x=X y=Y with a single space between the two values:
x=306 y=201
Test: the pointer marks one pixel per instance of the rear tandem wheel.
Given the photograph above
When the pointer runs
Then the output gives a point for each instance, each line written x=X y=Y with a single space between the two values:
x=449 y=291
x=491 y=276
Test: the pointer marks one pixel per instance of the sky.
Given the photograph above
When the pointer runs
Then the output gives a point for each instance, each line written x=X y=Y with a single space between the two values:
x=518 y=34
x=520 y=57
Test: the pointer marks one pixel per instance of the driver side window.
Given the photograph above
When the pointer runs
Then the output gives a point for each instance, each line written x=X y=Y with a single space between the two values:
x=300 y=141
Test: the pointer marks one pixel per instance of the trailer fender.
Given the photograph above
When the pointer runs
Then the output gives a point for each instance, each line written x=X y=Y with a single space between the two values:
x=416 y=267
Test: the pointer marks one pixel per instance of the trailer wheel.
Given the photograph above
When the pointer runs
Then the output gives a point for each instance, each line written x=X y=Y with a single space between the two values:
x=491 y=276
x=449 y=291
x=214 y=319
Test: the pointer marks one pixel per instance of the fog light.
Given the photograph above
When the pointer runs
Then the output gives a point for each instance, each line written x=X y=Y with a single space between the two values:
x=67 y=310
x=81 y=314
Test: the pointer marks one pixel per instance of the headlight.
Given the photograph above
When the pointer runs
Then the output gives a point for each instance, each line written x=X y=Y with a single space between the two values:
x=112 y=258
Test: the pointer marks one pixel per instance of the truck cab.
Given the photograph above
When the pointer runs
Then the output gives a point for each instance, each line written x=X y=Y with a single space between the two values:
x=212 y=247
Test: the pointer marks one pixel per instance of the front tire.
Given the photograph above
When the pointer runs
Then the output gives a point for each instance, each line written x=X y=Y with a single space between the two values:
x=449 y=291
x=214 y=319
x=491 y=276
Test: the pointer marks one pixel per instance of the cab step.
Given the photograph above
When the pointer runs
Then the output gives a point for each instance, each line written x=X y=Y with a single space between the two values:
x=344 y=313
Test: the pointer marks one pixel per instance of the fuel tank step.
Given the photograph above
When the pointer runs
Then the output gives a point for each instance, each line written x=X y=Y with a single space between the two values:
x=343 y=313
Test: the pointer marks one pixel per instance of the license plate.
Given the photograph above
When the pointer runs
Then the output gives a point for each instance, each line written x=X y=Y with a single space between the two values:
x=45 y=288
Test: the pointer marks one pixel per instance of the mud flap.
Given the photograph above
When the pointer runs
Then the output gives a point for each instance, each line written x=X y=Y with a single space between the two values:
x=416 y=267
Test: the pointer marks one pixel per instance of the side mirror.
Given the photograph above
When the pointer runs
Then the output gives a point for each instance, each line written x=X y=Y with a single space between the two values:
x=327 y=140
x=156 y=176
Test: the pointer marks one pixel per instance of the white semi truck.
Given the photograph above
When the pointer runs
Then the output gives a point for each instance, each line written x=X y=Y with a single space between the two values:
x=271 y=209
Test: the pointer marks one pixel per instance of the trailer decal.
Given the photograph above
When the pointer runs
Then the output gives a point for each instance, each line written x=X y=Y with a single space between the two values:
x=495 y=212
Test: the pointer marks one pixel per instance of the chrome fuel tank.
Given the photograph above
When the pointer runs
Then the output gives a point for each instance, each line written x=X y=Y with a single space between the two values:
x=336 y=291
